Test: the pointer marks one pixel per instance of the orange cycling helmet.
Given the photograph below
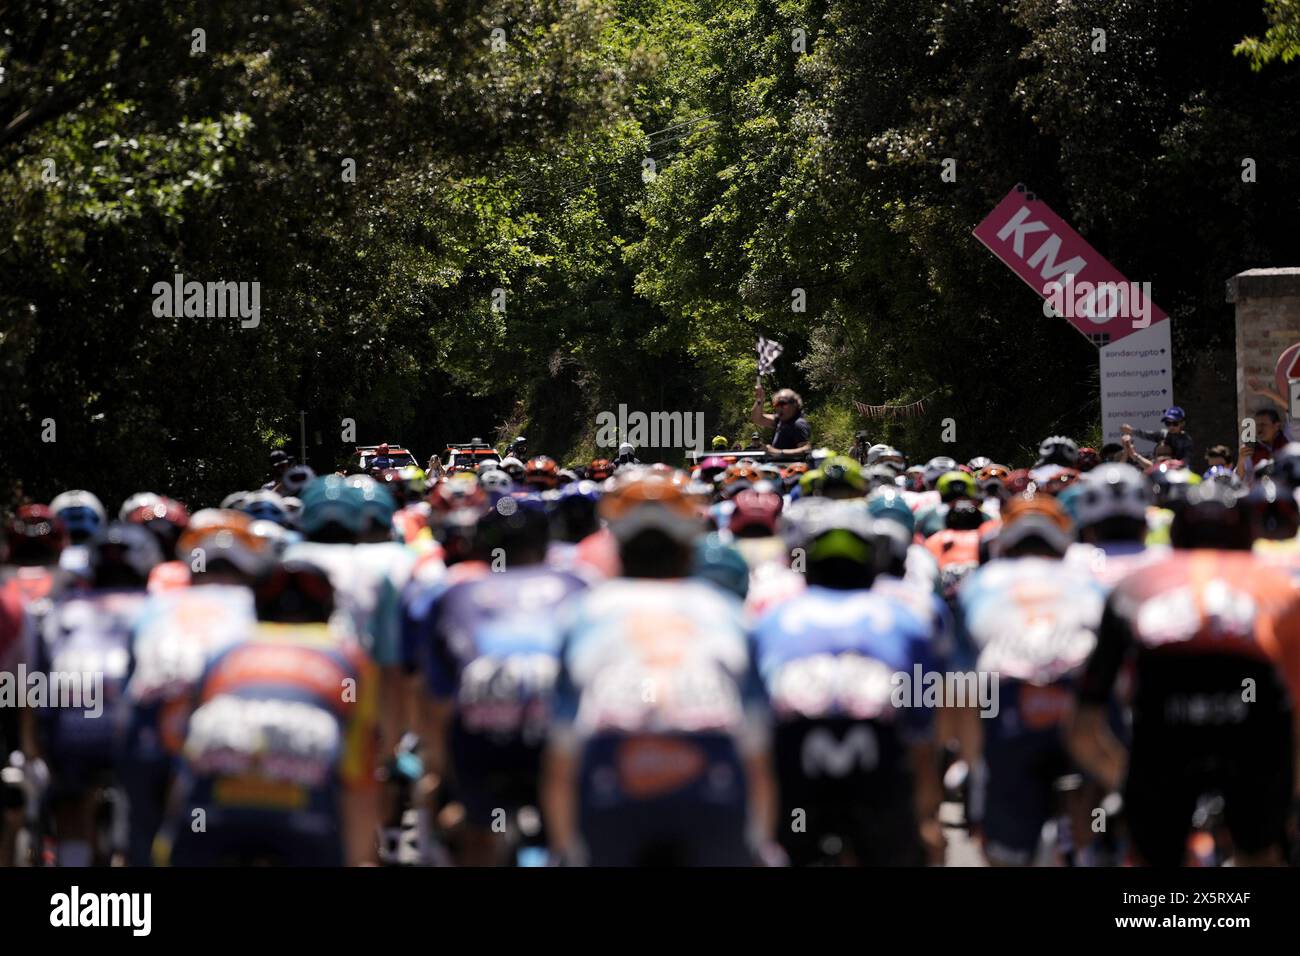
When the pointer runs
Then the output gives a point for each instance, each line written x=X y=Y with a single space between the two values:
x=542 y=473
x=216 y=535
x=650 y=501
x=1034 y=515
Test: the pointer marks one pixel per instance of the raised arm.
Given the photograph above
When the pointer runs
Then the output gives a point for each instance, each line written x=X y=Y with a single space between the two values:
x=757 y=415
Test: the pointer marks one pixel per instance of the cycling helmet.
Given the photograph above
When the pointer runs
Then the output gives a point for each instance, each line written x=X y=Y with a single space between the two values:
x=1088 y=459
x=915 y=478
x=1033 y=516
x=121 y=555
x=722 y=564
x=496 y=482
x=1286 y=465
x=265 y=506
x=462 y=490
x=643 y=500
x=1058 y=450
x=978 y=463
x=331 y=509
x=954 y=485
x=878 y=476
x=137 y=500
x=486 y=465
x=888 y=456
x=295 y=591
x=295 y=480
x=1111 y=490
x=82 y=514
x=515 y=523
x=840 y=542
x=600 y=468
x=513 y=467
x=964 y=514
x=1060 y=481
x=232 y=500
x=889 y=504
x=277 y=538
x=377 y=507
x=573 y=511
x=755 y=514
x=36 y=536
x=935 y=469
x=1224 y=475
x=541 y=473
x=221 y=540
x=1212 y=516
x=838 y=477
x=1018 y=481
x=1172 y=483
x=165 y=519
x=1273 y=510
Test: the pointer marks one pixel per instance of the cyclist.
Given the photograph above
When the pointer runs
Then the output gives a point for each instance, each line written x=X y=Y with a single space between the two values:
x=85 y=643
x=658 y=749
x=489 y=657
x=1030 y=621
x=280 y=749
x=1213 y=636
x=858 y=775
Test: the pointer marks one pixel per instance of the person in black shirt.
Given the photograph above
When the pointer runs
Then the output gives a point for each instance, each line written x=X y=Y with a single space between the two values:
x=793 y=434
x=1174 y=434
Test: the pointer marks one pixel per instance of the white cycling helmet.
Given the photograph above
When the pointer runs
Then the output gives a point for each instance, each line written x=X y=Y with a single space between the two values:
x=1111 y=490
x=936 y=468
x=143 y=499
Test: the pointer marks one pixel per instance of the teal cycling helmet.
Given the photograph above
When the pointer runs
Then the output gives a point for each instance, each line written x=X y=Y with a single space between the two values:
x=890 y=504
x=720 y=563
x=331 y=500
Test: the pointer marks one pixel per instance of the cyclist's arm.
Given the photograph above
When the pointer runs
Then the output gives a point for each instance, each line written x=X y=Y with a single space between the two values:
x=559 y=795
x=761 y=780
x=927 y=795
x=1091 y=742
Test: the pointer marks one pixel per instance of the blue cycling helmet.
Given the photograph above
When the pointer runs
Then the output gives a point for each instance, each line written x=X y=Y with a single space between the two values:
x=265 y=506
x=721 y=564
x=331 y=501
x=573 y=510
x=81 y=513
x=889 y=503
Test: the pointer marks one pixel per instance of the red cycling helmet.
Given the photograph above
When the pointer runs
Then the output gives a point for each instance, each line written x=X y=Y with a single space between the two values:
x=1018 y=481
x=35 y=535
x=755 y=513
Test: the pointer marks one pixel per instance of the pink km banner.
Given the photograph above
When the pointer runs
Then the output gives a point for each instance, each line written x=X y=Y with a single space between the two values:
x=1060 y=265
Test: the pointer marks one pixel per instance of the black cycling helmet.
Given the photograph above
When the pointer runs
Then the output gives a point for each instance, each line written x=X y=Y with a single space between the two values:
x=296 y=479
x=1212 y=517
x=295 y=591
x=35 y=536
x=515 y=525
x=1058 y=450
x=1273 y=510
x=121 y=555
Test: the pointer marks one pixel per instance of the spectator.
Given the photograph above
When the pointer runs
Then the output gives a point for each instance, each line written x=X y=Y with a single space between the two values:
x=382 y=459
x=280 y=462
x=434 y=471
x=793 y=434
x=755 y=442
x=861 y=444
x=720 y=443
x=1218 y=455
x=1174 y=433
x=1131 y=455
x=1270 y=437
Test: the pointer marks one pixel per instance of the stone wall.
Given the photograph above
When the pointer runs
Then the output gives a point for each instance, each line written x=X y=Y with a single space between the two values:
x=1268 y=321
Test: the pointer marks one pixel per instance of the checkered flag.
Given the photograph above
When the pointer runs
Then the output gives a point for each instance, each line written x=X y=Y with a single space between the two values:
x=768 y=353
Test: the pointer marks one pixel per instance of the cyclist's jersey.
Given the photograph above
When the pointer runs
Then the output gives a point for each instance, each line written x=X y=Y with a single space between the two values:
x=1283 y=555
x=1112 y=561
x=495 y=653
x=958 y=554
x=368 y=580
x=1198 y=623
x=1159 y=523
x=169 y=575
x=829 y=661
x=177 y=633
x=1033 y=622
x=283 y=723
x=657 y=695
x=569 y=556
x=1215 y=641
x=771 y=585
x=412 y=524
x=419 y=606
x=85 y=645
x=934 y=520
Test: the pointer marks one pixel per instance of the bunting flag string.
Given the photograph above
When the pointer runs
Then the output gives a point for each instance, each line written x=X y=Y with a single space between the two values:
x=910 y=410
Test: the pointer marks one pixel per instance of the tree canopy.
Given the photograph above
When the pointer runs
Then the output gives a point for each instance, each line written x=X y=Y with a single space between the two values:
x=563 y=205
